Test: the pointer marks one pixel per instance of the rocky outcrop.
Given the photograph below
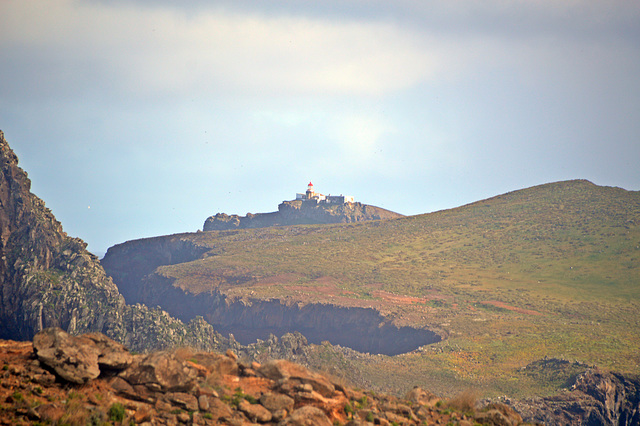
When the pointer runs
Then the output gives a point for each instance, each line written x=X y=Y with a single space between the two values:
x=129 y=262
x=49 y=279
x=596 y=398
x=78 y=359
x=299 y=212
x=200 y=388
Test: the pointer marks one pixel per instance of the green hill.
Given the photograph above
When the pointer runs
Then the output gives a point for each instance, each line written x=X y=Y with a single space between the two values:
x=548 y=271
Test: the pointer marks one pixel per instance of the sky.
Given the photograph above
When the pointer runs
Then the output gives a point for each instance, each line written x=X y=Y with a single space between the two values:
x=138 y=118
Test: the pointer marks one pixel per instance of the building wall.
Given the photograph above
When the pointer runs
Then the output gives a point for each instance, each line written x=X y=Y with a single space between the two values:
x=331 y=199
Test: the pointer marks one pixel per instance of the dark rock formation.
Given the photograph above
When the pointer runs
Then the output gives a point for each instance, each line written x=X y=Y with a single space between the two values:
x=48 y=279
x=128 y=263
x=250 y=320
x=596 y=398
x=299 y=212
x=133 y=265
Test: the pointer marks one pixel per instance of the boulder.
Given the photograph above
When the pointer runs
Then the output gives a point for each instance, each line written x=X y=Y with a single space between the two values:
x=255 y=412
x=419 y=396
x=289 y=375
x=161 y=371
x=307 y=416
x=203 y=403
x=113 y=355
x=219 y=410
x=499 y=415
x=79 y=359
x=183 y=400
x=275 y=402
x=75 y=359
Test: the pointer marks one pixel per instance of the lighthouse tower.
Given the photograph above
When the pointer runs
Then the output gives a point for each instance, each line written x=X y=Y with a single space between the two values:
x=310 y=191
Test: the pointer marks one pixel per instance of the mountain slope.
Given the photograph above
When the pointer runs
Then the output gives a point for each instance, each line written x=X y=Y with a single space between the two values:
x=545 y=271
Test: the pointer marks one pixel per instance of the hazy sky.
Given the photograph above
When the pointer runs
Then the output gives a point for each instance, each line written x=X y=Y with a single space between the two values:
x=143 y=118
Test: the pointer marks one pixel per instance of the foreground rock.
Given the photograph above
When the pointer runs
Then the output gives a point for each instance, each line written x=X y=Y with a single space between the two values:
x=78 y=359
x=60 y=379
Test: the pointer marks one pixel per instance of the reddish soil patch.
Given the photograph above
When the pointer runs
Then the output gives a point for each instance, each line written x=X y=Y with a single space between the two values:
x=398 y=299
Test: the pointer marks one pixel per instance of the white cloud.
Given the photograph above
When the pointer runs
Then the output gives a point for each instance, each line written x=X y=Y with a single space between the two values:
x=162 y=51
x=126 y=50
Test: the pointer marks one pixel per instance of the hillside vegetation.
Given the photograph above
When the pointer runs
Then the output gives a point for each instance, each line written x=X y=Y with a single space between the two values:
x=549 y=271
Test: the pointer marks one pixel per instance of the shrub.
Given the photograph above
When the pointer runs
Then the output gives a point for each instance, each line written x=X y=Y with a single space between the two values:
x=465 y=401
x=348 y=409
x=74 y=395
x=96 y=418
x=251 y=399
x=116 y=412
x=362 y=402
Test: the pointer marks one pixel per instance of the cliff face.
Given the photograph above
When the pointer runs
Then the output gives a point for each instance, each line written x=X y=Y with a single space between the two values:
x=361 y=329
x=134 y=267
x=596 y=398
x=128 y=263
x=49 y=279
x=298 y=212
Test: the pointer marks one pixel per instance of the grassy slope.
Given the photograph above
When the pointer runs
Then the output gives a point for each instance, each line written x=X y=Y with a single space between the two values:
x=547 y=271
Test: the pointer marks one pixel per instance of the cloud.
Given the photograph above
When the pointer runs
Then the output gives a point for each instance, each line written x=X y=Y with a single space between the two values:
x=127 y=51
x=144 y=51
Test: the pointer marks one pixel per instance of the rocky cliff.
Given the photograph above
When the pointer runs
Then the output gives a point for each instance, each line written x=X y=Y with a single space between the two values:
x=134 y=267
x=596 y=398
x=299 y=212
x=49 y=279
x=129 y=262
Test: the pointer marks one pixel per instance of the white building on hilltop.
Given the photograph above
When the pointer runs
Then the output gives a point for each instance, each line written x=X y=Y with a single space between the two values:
x=316 y=197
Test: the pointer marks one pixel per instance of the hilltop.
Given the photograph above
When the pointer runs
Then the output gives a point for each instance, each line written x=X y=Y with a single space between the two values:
x=308 y=208
x=477 y=292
